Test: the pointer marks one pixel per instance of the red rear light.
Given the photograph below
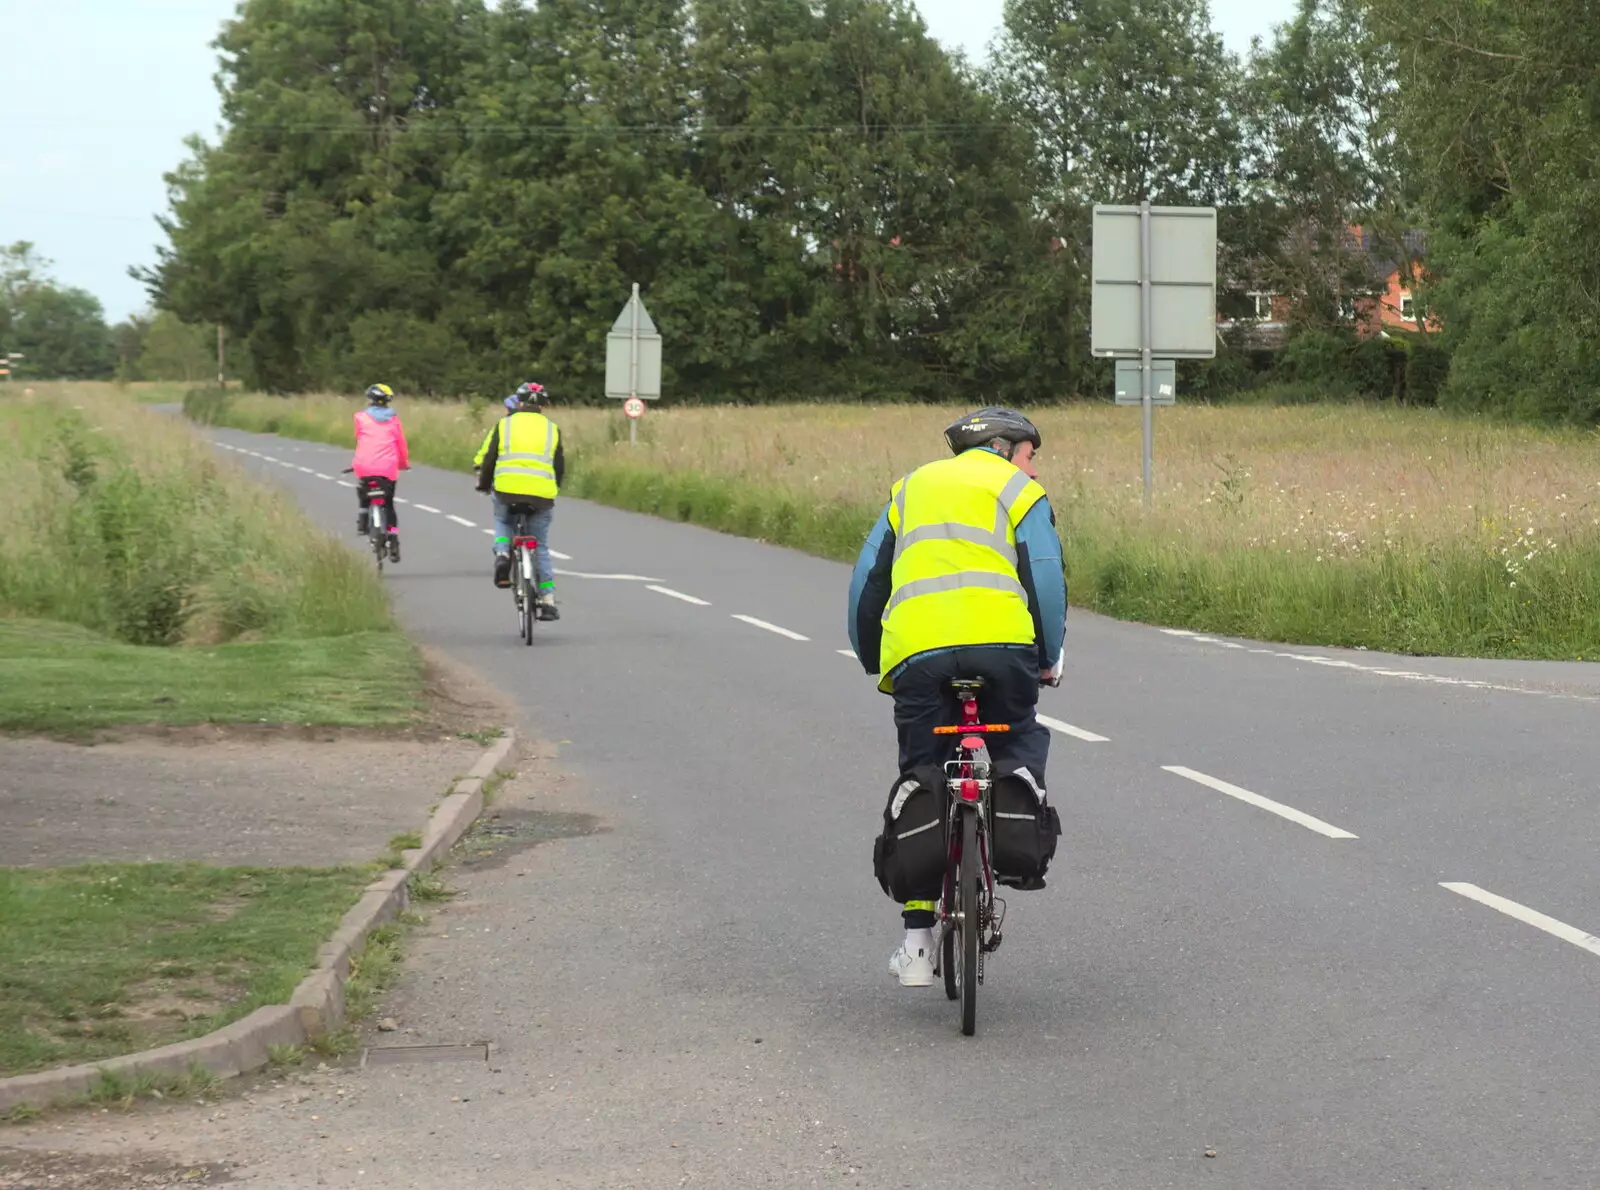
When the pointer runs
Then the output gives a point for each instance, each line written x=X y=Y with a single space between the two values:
x=969 y=790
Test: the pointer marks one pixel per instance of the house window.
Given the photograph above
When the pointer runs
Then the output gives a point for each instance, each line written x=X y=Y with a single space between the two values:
x=1408 y=308
x=1261 y=303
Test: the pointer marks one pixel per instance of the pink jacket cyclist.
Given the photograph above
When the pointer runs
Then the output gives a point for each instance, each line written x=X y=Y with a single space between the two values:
x=380 y=438
x=381 y=455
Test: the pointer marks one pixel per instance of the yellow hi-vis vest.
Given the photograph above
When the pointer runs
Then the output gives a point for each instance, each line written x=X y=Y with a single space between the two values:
x=526 y=462
x=955 y=579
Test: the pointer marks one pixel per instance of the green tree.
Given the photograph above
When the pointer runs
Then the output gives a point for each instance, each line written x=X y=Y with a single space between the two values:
x=60 y=332
x=1497 y=106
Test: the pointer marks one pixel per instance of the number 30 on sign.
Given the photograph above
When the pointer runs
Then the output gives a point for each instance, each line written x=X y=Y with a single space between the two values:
x=633 y=407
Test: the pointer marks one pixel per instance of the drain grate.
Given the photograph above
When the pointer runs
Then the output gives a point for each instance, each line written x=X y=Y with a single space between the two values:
x=397 y=1055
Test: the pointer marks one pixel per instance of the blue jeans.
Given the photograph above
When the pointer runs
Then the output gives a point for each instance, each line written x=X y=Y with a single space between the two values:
x=538 y=526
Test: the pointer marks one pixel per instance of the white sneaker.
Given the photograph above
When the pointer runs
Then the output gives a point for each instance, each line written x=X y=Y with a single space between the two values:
x=912 y=970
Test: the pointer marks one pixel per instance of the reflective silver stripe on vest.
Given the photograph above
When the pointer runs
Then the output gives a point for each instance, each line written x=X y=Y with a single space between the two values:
x=1012 y=490
x=540 y=465
x=955 y=531
x=954 y=582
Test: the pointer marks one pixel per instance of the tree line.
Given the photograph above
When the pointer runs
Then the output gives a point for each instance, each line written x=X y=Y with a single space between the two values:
x=59 y=332
x=818 y=200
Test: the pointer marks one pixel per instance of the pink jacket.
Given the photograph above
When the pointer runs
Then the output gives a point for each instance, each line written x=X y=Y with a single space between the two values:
x=380 y=443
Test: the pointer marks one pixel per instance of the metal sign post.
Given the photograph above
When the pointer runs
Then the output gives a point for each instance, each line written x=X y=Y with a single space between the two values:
x=1154 y=295
x=633 y=360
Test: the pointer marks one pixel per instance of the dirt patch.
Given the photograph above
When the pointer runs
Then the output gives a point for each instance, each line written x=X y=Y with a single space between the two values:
x=28 y=1169
x=268 y=800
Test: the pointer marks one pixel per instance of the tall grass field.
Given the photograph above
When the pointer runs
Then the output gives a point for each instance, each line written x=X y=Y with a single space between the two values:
x=1405 y=530
x=129 y=549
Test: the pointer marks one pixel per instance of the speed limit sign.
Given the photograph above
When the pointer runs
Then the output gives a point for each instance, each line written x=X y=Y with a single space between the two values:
x=633 y=407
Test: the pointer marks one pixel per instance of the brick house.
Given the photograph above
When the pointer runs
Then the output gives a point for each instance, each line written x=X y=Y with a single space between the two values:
x=1257 y=318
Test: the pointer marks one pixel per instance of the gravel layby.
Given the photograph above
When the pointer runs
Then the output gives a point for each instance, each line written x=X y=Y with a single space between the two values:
x=317 y=1004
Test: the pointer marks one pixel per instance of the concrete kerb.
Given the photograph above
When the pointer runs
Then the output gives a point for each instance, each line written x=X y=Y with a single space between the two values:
x=317 y=1004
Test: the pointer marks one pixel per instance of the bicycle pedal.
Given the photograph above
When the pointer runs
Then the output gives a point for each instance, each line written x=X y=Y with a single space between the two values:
x=994 y=943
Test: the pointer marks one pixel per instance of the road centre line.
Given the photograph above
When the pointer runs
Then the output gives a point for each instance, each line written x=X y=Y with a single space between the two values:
x=1532 y=917
x=668 y=591
x=307 y=470
x=461 y=520
x=621 y=578
x=560 y=557
x=320 y=475
x=424 y=508
x=344 y=483
x=1076 y=733
x=850 y=653
x=770 y=627
x=1263 y=803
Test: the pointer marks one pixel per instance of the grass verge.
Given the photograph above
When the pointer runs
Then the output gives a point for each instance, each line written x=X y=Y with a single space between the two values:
x=142 y=580
x=62 y=679
x=1400 y=530
x=99 y=960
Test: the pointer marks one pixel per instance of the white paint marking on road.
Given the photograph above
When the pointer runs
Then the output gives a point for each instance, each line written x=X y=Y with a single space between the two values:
x=670 y=593
x=850 y=653
x=490 y=532
x=269 y=458
x=770 y=627
x=425 y=508
x=560 y=557
x=401 y=500
x=1264 y=803
x=307 y=470
x=461 y=520
x=320 y=475
x=1177 y=632
x=621 y=578
x=1076 y=733
x=344 y=483
x=1522 y=913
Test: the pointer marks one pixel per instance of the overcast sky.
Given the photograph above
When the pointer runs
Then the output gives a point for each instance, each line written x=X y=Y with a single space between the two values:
x=96 y=97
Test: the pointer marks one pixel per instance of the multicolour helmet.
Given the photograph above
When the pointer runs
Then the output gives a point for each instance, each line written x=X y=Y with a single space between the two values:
x=380 y=394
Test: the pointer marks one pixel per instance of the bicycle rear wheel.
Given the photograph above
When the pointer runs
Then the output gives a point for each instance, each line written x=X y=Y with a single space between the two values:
x=378 y=534
x=530 y=594
x=971 y=925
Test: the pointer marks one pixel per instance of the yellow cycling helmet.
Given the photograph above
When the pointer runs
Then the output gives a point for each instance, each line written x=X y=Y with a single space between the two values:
x=380 y=394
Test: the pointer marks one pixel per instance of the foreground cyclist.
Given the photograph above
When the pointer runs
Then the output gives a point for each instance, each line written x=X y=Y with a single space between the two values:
x=961 y=577
x=521 y=462
x=380 y=454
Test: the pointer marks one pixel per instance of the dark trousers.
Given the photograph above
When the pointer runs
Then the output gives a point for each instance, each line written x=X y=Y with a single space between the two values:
x=923 y=700
x=386 y=486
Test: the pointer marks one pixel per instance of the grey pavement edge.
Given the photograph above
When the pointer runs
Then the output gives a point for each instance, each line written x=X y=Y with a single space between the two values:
x=317 y=1004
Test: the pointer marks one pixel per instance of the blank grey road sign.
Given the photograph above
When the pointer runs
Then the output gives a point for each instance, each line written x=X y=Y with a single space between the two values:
x=1183 y=282
x=633 y=353
x=1163 y=382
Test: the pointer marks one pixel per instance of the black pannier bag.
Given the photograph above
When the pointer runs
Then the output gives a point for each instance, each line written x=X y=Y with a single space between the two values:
x=1026 y=827
x=908 y=857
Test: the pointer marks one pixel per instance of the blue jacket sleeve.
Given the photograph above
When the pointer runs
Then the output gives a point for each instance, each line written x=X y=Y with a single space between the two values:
x=869 y=592
x=1039 y=566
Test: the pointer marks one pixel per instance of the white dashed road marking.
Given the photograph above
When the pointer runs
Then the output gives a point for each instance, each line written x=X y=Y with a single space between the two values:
x=771 y=627
x=668 y=591
x=425 y=508
x=1522 y=913
x=320 y=475
x=344 y=483
x=1406 y=674
x=461 y=520
x=1264 y=803
x=1076 y=733
x=560 y=557
x=619 y=578
x=850 y=653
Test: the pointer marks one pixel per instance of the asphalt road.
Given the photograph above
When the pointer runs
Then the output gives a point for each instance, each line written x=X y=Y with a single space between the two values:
x=698 y=995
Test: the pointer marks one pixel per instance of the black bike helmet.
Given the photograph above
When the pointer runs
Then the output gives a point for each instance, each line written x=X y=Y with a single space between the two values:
x=380 y=394
x=532 y=393
x=989 y=423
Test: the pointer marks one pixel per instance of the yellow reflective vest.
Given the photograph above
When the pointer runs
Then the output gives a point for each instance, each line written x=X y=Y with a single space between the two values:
x=525 y=459
x=954 y=580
